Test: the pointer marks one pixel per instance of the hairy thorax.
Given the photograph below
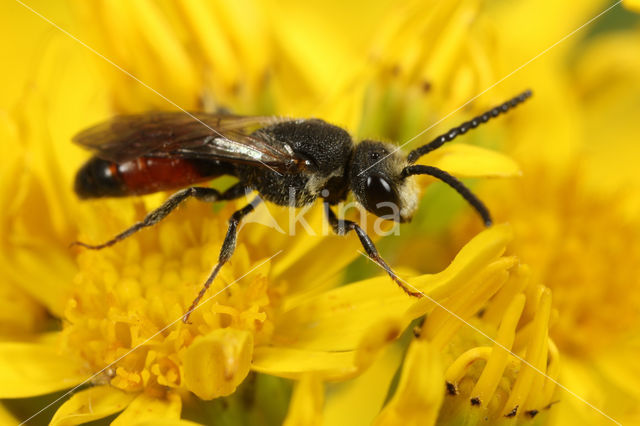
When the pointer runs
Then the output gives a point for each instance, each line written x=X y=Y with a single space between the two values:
x=328 y=149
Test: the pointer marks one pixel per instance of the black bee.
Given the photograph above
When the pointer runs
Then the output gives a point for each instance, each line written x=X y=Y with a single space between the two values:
x=288 y=162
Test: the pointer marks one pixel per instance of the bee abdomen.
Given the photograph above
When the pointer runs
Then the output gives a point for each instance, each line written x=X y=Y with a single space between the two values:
x=143 y=175
x=99 y=178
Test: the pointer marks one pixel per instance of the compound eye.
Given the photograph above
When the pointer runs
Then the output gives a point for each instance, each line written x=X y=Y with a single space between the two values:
x=382 y=199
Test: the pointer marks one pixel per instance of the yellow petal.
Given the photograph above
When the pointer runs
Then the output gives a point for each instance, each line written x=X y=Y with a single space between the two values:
x=248 y=39
x=632 y=5
x=356 y=402
x=619 y=366
x=354 y=308
x=165 y=422
x=376 y=337
x=582 y=379
x=6 y=418
x=30 y=246
x=351 y=309
x=494 y=369
x=420 y=391
x=311 y=61
x=146 y=408
x=443 y=323
x=215 y=364
x=536 y=357
x=472 y=161
x=209 y=32
x=91 y=404
x=165 y=51
x=483 y=249
x=30 y=369
x=305 y=408
x=300 y=260
x=20 y=315
x=295 y=363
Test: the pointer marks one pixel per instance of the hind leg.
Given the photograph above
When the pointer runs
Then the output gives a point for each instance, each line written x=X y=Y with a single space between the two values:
x=199 y=193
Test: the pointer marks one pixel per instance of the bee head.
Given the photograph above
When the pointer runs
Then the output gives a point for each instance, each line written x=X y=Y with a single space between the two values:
x=377 y=181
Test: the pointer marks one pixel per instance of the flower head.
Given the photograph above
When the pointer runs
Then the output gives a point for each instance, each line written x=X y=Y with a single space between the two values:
x=120 y=308
x=497 y=365
x=574 y=215
x=278 y=308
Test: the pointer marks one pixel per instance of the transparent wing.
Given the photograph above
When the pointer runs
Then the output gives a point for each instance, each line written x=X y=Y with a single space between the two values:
x=231 y=138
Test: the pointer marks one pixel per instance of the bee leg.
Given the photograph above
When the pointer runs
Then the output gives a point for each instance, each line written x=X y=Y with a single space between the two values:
x=342 y=227
x=155 y=216
x=228 y=246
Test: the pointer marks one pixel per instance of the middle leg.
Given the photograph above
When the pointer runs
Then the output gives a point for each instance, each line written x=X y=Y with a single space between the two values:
x=228 y=247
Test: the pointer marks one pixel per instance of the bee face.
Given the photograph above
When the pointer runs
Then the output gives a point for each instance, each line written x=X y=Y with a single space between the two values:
x=378 y=184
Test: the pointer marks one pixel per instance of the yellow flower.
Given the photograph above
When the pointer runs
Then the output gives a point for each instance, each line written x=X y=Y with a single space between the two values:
x=575 y=218
x=120 y=308
x=426 y=62
x=557 y=226
x=488 y=342
x=122 y=316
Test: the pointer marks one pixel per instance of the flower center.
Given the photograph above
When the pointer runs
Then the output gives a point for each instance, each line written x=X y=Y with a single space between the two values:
x=129 y=299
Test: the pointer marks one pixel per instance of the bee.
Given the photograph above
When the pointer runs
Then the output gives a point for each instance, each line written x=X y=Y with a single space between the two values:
x=287 y=162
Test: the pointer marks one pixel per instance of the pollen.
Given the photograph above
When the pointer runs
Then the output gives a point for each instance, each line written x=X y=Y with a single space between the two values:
x=128 y=302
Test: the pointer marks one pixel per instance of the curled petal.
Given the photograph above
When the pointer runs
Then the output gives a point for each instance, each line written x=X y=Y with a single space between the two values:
x=146 y=408
x=529 y=377
x=215 y=364
x=91 y=404
x=358 y=401
x=420 y=392
x=497 y=362
x=305 y=408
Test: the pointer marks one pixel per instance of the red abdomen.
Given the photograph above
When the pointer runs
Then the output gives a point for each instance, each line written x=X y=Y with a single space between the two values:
x=143 y=175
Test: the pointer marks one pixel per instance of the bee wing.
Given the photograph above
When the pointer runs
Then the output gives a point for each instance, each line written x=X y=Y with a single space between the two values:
x=231 y=138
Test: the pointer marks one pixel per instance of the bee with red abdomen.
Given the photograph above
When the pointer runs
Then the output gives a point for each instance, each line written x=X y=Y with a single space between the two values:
x=288 y=162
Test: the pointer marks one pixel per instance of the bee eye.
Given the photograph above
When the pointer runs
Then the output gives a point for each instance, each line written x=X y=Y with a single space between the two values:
x=380 y=195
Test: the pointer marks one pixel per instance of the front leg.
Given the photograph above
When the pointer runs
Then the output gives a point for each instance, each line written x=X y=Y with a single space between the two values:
x=342 y=227
x=228 y=246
